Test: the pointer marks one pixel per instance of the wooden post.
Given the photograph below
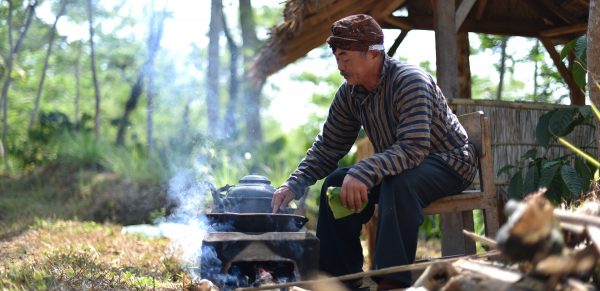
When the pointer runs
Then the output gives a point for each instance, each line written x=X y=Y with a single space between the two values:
x=577 y=96
x=445 y=47
x=464 y=69
x=593 y=63
x=447 y=78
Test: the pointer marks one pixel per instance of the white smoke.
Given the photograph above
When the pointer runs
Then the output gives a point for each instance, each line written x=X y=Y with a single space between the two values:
x=186 y=227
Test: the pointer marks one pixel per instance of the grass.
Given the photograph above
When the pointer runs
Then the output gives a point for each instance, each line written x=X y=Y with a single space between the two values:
x=59 y=254
x=48 y=240
x=64 y=190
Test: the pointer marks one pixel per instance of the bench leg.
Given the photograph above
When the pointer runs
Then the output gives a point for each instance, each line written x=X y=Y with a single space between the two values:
x=453 y=240
x=492 y=222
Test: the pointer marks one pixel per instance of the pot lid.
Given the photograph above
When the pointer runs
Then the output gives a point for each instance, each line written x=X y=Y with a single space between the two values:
x=252 y=186
x=255 y=179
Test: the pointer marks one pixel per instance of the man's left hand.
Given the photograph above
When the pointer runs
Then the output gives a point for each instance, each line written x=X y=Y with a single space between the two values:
x=354 y=193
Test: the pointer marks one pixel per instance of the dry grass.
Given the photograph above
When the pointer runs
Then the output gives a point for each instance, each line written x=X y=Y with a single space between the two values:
x=68 y=255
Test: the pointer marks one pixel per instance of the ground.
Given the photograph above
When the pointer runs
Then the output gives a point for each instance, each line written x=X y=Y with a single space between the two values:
x=75 y=255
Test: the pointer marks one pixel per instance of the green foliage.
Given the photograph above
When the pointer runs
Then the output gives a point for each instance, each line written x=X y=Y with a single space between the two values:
x=565 y=177
x=577 y=46
x=430 y=228
x=82 y=149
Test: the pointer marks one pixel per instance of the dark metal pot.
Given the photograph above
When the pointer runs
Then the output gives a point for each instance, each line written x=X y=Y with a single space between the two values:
x=255 y=222
x=253 y=194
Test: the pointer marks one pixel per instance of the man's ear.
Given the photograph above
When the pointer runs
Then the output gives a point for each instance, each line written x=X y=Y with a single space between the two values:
x=374 y=54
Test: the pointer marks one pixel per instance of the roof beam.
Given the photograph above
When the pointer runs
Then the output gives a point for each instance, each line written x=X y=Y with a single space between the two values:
x=313 y=34
x=397 y=42
x=397 y=22
x=557 y=11
x=579 y=28
x=462 y=12
x=480 y=9
x=385 y=8
x=485 y=26
x=542 y=11
x=577 y=96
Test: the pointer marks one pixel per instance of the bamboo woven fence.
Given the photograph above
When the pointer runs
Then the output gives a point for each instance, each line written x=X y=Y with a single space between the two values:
x=512 y=131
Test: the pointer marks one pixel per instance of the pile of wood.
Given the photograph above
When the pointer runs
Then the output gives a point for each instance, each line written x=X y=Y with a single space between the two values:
x=540 y=248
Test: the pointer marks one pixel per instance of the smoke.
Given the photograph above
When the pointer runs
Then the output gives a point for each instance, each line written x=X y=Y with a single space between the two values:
x=186 y=226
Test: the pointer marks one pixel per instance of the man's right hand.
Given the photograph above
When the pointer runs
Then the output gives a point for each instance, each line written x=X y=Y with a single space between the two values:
x=281 y=198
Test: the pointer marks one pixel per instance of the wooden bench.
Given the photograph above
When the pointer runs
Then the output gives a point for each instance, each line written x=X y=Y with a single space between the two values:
x=456 y=212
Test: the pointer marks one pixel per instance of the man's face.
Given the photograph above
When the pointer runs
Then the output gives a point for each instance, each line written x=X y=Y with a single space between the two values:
x=352 y=65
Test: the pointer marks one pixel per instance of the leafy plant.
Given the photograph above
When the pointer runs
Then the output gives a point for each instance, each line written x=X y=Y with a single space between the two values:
x=577 y=46
x=565 y=177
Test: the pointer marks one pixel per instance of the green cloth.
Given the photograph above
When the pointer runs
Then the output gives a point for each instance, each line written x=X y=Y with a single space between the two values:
x=339 y=211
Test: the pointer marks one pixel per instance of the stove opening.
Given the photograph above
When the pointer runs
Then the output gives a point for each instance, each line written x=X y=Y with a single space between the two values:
x=257 y=273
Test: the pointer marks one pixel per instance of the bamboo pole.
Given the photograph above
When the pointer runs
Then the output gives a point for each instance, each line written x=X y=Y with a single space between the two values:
x=482 y=239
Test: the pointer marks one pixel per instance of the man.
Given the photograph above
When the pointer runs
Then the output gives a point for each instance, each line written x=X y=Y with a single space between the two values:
x=422 y=153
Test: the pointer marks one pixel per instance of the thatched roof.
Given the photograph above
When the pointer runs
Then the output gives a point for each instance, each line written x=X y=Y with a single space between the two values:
x=307 y=22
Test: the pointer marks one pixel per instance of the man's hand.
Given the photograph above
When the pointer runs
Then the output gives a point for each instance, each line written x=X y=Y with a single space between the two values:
x=281 y=198
x=354 y=193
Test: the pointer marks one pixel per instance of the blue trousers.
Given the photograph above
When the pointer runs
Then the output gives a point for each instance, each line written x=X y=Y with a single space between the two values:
x=401 y=200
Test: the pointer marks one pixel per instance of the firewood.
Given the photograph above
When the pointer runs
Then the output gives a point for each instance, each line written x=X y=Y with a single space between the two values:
x=489 y=270
x=574 y=262
x=436 y=276
x=531 y=232
x=472 y=281
x=576 y=285
x=594 y=235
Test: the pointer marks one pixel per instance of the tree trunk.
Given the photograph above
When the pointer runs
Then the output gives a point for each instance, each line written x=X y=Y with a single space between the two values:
x=154 y=37
x=212 y=76
x=36 y=106
x=536 y=51
x=157 y=26
x=150 y=109
x=185 y=123
x=502 y=68
x=593 y=59
x=464 y=69
x=252 y=90
x=94 y=74
x=77 y=86
x=5 y=86
x=12 y=55
x=230 y=125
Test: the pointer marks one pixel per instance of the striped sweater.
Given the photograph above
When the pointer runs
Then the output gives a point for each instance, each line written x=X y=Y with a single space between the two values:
x=407 y=119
